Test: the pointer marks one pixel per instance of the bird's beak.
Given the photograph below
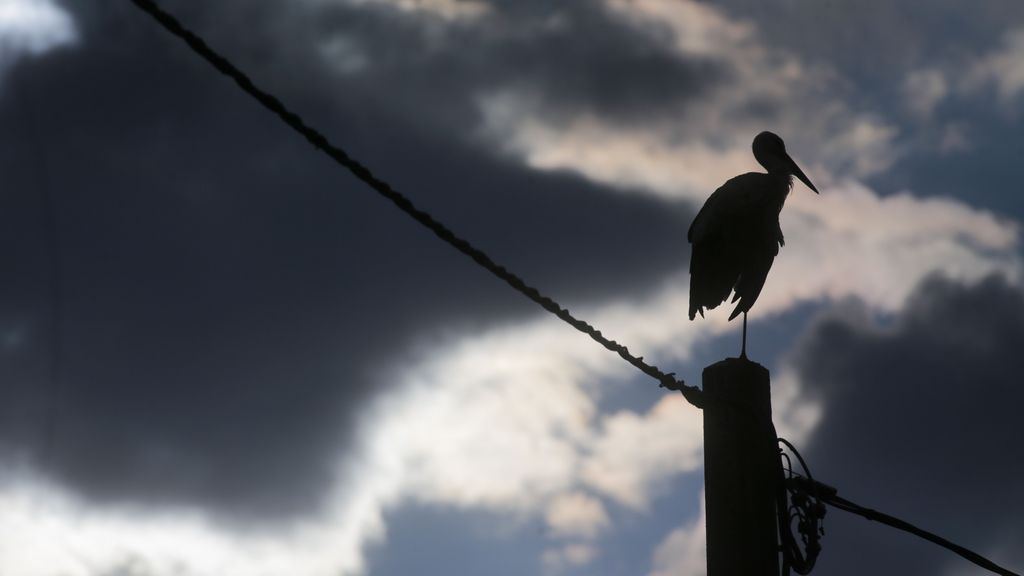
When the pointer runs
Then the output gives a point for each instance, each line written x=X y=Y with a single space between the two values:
x=796 y=171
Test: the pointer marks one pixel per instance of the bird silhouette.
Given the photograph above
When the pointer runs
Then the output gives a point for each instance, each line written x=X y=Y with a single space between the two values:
x=736 y=235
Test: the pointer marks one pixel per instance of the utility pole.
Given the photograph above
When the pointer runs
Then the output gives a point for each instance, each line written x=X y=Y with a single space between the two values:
x=740 y=466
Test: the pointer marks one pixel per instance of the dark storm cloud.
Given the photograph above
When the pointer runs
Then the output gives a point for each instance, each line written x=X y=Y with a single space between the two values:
x=575 y=56
x=922 y=420
x=229 y=296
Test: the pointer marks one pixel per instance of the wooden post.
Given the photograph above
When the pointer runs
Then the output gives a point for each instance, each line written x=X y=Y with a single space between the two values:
x=739 y=470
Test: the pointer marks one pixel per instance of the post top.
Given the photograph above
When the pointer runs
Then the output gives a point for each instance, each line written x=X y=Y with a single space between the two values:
x=740 y=382
x=732 y=364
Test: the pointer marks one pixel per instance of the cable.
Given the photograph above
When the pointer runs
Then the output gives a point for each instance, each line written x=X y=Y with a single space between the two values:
x=667 y=380
x=830 y=496
x=843 y=504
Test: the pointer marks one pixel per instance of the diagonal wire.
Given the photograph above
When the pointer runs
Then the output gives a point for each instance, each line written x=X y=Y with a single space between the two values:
x=667 y=380
x=830 y=496
x=843 y=504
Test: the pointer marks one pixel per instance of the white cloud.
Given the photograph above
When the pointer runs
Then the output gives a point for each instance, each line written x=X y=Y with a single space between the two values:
x=649 y=159
x=45 y=532
x=924 y=89
x=694 y=28
x=33 y=27
x=849 y=241
x=1003 y=68
x=451 y=11
x=557 y=560
x=344 y=54
x=689 y=154
x=684 y=551
x=462 y=432
x=955 y=138
x=633 y=455
x=576 y=514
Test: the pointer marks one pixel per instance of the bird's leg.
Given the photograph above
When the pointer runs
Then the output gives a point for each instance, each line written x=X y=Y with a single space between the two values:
x=743 y=352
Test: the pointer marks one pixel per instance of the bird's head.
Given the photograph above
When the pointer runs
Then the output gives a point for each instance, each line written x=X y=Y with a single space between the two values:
x=770 y=152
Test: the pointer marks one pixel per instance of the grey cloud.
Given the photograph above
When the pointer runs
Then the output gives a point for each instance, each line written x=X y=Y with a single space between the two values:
x=228 y=296
x=874 y=43
x=874 y=46
x=922 y=419
x=575 y=56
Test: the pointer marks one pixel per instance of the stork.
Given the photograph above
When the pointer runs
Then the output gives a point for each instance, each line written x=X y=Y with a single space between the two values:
x=736 y=235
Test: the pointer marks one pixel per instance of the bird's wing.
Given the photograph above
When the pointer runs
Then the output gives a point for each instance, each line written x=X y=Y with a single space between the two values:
x=725 y=206
x=755 y=271
x=714 y=270
x=715 y=262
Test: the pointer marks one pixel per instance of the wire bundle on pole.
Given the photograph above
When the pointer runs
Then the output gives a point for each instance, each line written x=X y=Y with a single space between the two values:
x=807 y=488
x=800 y=504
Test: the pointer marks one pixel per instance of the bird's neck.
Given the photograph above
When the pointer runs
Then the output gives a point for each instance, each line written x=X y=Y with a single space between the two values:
x=783 y=183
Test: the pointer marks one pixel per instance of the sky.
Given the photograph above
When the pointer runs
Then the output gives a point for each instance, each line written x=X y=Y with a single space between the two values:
x=222 y=354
